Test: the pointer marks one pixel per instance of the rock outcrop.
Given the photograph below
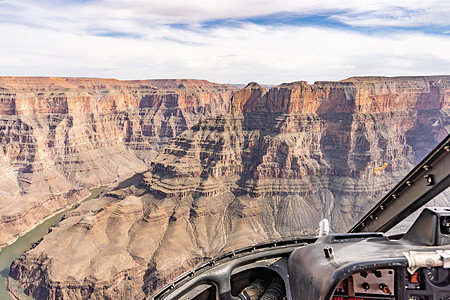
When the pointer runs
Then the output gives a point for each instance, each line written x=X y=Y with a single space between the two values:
x=62 y=135
x=270 y=170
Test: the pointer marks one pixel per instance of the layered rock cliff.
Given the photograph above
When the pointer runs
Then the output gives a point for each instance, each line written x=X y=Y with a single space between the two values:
x=271 y=169
x=60 y=136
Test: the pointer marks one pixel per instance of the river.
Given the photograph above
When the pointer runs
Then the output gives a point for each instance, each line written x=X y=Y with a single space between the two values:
x=13 y=251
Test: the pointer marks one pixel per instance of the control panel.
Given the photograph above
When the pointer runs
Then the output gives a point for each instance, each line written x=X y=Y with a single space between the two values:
x=423 y=284
x=366 y=284
x=369 y=266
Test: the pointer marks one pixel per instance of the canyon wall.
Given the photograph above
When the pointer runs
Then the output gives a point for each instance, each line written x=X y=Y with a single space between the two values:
x=270 y=170
x=60 y=136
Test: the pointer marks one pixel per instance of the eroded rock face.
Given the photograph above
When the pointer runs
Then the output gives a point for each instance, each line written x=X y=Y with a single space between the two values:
x=353 y=95
x=62 y=134
x=270 y=170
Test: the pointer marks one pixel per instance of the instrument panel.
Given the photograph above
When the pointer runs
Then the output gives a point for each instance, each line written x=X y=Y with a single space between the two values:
x=366 y=284
x=378 y=284
x=425 y=284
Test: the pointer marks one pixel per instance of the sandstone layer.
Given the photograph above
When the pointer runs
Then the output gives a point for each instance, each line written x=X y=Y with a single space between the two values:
x=281 y=161
x=61 y=135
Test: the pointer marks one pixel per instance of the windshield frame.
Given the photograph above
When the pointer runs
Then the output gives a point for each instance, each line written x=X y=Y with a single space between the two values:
x=425 y=181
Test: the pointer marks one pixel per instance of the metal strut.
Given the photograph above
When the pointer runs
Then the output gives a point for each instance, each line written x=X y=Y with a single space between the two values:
x=429 y=178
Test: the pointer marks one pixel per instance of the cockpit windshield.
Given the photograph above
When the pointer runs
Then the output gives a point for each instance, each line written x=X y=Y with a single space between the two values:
x=266 y=173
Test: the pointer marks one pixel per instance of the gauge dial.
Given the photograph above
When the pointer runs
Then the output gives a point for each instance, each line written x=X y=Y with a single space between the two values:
x=438 y=276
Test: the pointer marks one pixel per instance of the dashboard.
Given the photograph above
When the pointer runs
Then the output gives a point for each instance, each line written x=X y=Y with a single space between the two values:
x=368 y=266
x=351 y=266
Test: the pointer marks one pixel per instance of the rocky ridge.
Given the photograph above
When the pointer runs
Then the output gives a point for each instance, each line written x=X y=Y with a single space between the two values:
x=60 y=136
x=271 y=169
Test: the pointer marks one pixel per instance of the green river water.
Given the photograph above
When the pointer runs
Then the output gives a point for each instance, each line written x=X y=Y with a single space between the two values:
x=13 y=251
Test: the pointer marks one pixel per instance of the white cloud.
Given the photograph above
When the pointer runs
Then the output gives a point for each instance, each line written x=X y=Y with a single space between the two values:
x=201 y=10
x=59 y=40
x=139 y=14
x=243 y=54
x=401 y=16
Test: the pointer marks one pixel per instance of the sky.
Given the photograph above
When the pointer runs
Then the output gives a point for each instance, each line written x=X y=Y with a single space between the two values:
x=228 y=41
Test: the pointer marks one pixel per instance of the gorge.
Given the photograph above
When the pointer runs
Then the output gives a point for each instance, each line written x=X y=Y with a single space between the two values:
x=61 y=136
x=267 y=166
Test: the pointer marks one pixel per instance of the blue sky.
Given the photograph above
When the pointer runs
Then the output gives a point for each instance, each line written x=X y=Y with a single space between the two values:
x=224 y=41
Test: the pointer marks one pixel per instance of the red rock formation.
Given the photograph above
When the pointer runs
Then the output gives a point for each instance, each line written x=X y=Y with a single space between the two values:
x=353 y=95
x=58 y=134
x=271 y=170
x=248 y=99
x=43 y=95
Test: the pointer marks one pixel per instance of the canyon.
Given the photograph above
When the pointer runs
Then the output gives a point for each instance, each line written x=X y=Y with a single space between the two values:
x=61 y=136
x=268 y=170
